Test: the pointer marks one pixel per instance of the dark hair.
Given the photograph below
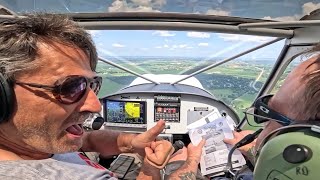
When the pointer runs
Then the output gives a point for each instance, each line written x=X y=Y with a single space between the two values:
x=20 y=37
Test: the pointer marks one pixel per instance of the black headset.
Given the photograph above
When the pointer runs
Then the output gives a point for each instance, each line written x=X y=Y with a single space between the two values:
x=6 y=99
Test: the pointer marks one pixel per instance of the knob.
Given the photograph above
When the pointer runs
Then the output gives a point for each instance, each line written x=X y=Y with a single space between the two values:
x=297 y=153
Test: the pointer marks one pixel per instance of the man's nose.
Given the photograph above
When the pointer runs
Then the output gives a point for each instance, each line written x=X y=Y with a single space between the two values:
x=90 y=103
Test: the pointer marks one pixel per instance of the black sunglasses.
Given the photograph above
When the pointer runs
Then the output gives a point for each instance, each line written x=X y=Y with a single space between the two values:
x=255 y=120
x=263 y=113
x=70 y=89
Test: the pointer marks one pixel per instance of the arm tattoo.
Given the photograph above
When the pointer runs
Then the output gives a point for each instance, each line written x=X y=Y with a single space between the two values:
x=187 y=176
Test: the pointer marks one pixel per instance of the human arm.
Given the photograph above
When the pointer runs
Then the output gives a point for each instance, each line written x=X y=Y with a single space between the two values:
x=188 y=170
x=108 y=142
x=148 y=171
x=246 y=149
x=158 y=154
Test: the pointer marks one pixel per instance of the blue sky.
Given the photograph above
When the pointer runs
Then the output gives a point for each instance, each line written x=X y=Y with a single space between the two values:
x=180 y=43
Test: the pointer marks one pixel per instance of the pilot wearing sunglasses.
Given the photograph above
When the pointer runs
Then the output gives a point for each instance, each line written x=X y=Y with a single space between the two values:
x=297 y=101
x=48 y=88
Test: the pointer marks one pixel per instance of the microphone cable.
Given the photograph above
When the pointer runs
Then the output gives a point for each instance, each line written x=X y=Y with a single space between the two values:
x=244 y=141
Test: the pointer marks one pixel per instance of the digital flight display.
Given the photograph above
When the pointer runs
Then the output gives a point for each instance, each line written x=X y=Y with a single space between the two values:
x=131 y=112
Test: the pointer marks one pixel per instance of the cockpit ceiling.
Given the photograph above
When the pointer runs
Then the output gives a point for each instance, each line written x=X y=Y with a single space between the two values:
x=279 y=10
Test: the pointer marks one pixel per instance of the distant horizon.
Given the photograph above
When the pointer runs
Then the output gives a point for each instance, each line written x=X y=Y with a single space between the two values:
x=185 y=57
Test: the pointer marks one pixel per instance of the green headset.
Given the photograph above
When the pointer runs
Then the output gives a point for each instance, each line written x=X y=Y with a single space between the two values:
x=290 y=153
x=6 y=99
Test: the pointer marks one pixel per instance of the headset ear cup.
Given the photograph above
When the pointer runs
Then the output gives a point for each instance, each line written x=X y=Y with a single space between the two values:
x=292 y=148
x=6 y=99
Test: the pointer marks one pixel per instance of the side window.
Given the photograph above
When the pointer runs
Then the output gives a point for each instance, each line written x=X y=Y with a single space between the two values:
x=238 y=82
x=250 y=124
x=294 y=63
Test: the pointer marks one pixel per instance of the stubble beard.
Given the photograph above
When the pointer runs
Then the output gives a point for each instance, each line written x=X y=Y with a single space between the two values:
x=47 y=138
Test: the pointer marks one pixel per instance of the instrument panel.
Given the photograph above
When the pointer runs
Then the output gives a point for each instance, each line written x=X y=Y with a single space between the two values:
x=137 y=112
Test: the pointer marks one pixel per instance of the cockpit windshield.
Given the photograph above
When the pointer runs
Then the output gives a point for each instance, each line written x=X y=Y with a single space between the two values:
x=236 y=82
x=182 y=52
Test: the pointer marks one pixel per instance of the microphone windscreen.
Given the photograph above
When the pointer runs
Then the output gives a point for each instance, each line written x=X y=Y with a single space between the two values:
x=177 y=145
x=97 y=123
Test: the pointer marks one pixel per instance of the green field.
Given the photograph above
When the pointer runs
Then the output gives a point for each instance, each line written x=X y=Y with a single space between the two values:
x=221 y=93
x=109 y=87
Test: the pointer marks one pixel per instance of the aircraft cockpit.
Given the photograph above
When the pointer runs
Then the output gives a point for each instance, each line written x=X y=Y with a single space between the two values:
x=187 y=62
x=140 y=105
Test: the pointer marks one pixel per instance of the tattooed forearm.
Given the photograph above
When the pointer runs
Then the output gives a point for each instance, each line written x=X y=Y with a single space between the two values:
x=187 y=176
x=187 y=171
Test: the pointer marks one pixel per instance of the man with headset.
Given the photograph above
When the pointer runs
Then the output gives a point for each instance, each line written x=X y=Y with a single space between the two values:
x=297 y=101
x=48 y=88
x=292 y=103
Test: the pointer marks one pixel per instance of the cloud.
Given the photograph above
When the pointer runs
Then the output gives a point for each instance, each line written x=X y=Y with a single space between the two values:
x=117 y=6
x=142 y=2
x=309 y=7
x=118 y=45
x=94 y=33
x=163 y=33
x=182 y=45
x=198 y=34
x=203 y=44
x=243 y=38
x=159 y=3
x=174 y=46
x=167 y=40
x=218 y=12
x=137 y=6
x=150 y=3
x=283 y=18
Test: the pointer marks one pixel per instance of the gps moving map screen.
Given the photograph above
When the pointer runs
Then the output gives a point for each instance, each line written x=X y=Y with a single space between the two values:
x=125 y=112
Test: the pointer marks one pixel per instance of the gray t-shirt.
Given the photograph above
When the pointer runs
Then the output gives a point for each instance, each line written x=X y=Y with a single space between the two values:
x=69 y=166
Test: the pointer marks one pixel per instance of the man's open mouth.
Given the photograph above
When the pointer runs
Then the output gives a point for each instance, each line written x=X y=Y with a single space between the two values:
x=75 y=129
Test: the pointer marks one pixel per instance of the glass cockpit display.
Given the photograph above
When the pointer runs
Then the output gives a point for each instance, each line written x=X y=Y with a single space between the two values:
x=125 y=112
